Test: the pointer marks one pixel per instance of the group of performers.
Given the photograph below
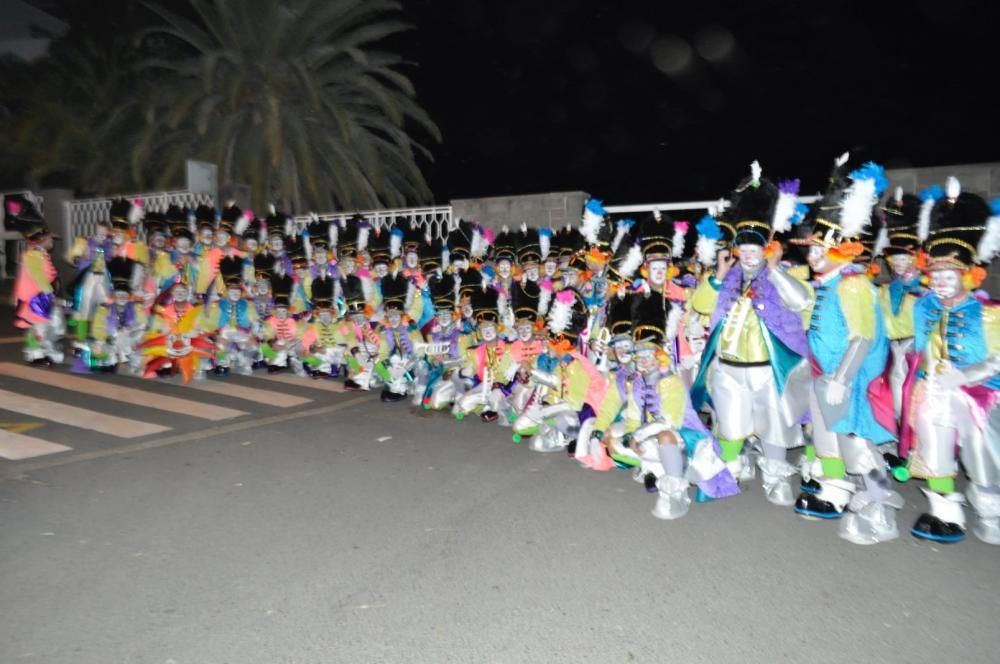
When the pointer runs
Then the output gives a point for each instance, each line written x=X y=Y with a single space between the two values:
x=683 y=353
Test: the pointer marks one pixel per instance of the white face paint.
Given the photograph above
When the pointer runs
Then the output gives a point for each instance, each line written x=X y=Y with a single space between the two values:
x=181 y=294
x=901 y=264
x=359 y=318
x=118 y=237
x=525 y=330
x=751 y=256
x=233 y=294
x=946 y=284
x=623 y=351
x=101 y=234
x=325 y=317
x=394 y=317
x=158 y=241
x=262 y=287
x=251 y=245
x=277 y=244
x=645 y=360
x=348 y=266
x=550 y=267
x=443 y=317
x=818 y=259
x=466 y=310
x=121 y=298
x=531 y=273
x=569 y=276
x=183 y=245
x=281 y=313
x=320 y=256
x=381 y=269
x=205 y=235
x=487 y=330
x=412 y=260
x=503 y=268
x=658 y=272
x=221 y=238
x=460 y=263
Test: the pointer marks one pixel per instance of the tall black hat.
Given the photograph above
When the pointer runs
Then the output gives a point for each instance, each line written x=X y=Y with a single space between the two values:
x=354 y=293
x=177 y=221
x=431 y=254
x=469 y=280
x=322 y=234
x=322 y=292
x=121 y=270
x=528 y=246
x=568 y=314
x=379 y=245
x=460 y=241
x=486 y=304
x=231 y=268
x=413 y=235
x=155 y=222
x=204 y=217
x=394 y=288
x=656 y=236
x=278 y=223
x=24 y=216
x=843 y=214
x=281 y=290
x=295 y=248
x=442 y=291
x=751 y=208
x=525 y=299
x=619 y=319
x=263 y=266
x=649 y=318
x=505 y=246
x=958 y=224
x=902 y=213
x=231 y=218
x=125 y=214
x=254 y=230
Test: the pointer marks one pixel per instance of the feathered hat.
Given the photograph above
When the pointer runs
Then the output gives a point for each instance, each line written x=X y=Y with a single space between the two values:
x=527 y=246
x=263 y=267
x=179 y=223
x=413 y=235
x=567 y=315
x=232 y=220
x=25 y=217
x=751 y=208
x=468 y=281
x=619 y=319
x=964 y=231
x=254 y=229
x=322 y=234
x=596 y=230
x=656 y=237
x=379 y=245
x=126 y=214
x=902 y=212
x=628 y=252
x=525 y=300
x=278 y=224
x=155 y=222
x=460 y=241
x=431 y=254
x=839 y=218
x=394 y=287
x=504 y=246
x=297 y=252
x=352 y=237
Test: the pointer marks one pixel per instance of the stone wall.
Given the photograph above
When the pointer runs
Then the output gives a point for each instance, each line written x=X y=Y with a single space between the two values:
x=537 y=210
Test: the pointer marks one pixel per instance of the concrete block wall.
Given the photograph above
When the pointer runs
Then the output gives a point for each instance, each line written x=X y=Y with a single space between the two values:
x=536 y=210
x=982 y=179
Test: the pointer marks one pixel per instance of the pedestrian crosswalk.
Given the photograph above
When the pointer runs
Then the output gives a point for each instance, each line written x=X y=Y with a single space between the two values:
x=121 y=408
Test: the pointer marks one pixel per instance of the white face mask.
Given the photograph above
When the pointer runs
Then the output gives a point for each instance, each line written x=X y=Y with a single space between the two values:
x=550 y=268
x=359 y=318
x=901 y=264
x=205 y=235
x=818 y=260
x=412 y=259
x=658 y=272
x=531 y=273
x=394 y=318
x=181 y=294
x=277 y=244
x=261 y=288
x=118 y=237
x=503 y=268
x=381 y=269
x=347 y=267
x=221 y=238
x=525 y=331
x=251 y=245
x=946 y=284
x=320 y=257
x=460 y=264
x=623 y=351
x=645 y=360
x=281 y=313
x=159 y=241
x=569 y=276
x=183 y=245
x=443 y=318
x=751 y=256
x=234 y=294
x=488 y=331
x=466 y=310
x=325 y=317
x=121 y=298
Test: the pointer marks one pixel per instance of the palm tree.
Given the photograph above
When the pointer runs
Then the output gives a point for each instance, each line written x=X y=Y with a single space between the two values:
x=290 y=96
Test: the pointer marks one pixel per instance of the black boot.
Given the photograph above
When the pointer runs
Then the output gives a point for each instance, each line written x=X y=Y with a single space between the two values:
x=649 y=481
x=489 y=416
x=220 y=371
x=388 y=396
x=811 y=505
x=274 y=368
x=932 y=528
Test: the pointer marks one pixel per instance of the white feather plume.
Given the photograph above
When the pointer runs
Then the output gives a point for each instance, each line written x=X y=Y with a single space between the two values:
x=524 y=227
x=307 y=245
x=410 y=292
x=881 y=242
x=136 y=212
x=856 y=210
x=395 y=245
x=363 y=232
x=953 y=188
x=898 y=196
x=590 y=226
x=631 y=263
x=656 y=214
x=445 y=259
x=502 y=305
x=842 y=159
x=367 y=288
x=924 y=219
x=560 y=315
x=989 y=244
x=674 y=321
x=241 y=225
x=333 y=232
x=544 y=244
x=478 y=246
x=544 y=299
x=271 y=209
x=781 y=222
x=678 y=242
x=620 y=230
x=706 y=250
x=289 y=227
x=755 y=172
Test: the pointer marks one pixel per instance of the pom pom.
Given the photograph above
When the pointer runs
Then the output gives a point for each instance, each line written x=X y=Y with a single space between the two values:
x=755 y=173
x=561 y=312
x=680 y=230
x=271 y=209
x=14 y=207
x=974 y=278
x=708 y=227
x=621 y=229
x=631 y=263
x=898 y=196
x=842 y=159
x=954 y=187
x=847 y=252
x=784 y=210
x=989 y=244
x=928 y=198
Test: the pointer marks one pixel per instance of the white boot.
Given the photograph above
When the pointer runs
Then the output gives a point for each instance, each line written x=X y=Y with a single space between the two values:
x=775 y=474
x=871 y=521
x=673 y=501
x=987 y=506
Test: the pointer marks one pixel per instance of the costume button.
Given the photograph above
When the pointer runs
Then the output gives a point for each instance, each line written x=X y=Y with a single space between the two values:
x=956 y=347
x=760 y=307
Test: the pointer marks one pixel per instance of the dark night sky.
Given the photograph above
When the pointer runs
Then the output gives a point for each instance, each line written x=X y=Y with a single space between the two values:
x=659 y=101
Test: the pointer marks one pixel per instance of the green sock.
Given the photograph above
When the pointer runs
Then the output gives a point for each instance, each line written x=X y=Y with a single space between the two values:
x=730 y=449
x=81 y=329
x=810 y=453
x=833 y=468
x=941 y=484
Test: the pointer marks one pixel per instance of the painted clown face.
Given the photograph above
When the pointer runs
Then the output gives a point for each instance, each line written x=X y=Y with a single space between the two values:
x=118 y=237
x=157 y=241
x=325 y=317
x=549 y=267
x=182 y=245
x=251 y=245
x=623 y=350
x=181 y=294
x=503 y=268
x=394 y=317
x=751 y=257
x=947 y=283
x=358 y=317
x=412 y=260
x=381 y=269
x=233 y=294
x=443 y=317
x=645 y=360
x=819 y=260
x=466 y=308
x=276 y=244
x=531 y=272
x=901 y=264
x=121 y=297
x=658 y=272
x=102 y=233
x=525 y=330
x=281 y=313
x=221 y=238
x=460 y=264
x=570 y=277
x=488 y=330
x=320 y=256
x=206 y=235
x=348 y=267
x=262 y=287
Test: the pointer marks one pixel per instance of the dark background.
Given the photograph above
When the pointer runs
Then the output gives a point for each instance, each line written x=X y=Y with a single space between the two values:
x=658 y=101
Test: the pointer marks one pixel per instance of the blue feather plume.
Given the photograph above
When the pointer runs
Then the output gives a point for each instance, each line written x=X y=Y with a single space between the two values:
x=933 y=192
x=709 y=227
x=872 y=171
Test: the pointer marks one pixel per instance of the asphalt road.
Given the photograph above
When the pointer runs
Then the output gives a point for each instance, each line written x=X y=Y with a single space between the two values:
x=346 y=530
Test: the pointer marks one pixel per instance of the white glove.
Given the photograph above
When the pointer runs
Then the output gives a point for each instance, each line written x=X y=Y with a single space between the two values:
x=836 y=392
x=951 y=379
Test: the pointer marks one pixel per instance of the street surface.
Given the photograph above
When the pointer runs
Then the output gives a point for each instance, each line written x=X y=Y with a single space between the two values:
x=278 y=520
